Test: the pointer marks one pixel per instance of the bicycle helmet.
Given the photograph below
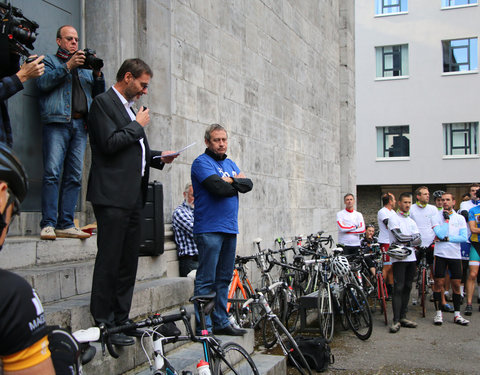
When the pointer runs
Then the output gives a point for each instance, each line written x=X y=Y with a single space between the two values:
x=12 y=172
x=398 y=251
x=340 y=266
x=438 y=194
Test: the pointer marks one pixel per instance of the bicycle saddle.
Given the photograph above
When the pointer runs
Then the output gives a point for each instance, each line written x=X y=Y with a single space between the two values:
x=204 y=298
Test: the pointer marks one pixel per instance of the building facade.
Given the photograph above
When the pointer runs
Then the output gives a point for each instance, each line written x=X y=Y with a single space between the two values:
x=279 y=75
x=417 y=113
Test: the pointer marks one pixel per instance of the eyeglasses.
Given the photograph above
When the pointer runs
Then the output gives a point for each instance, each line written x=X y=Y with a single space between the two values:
x=70 y=38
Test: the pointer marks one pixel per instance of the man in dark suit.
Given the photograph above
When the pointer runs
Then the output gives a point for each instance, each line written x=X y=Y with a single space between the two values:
x=117 y=188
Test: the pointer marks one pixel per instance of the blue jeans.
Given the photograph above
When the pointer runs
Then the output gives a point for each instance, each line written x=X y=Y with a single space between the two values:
x=216 y=260
x=63 y=150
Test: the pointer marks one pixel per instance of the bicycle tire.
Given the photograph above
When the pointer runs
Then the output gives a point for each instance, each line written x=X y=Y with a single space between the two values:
x=292 y=314
x=233 y=358
x=382 y=291
x=249 y=318
x=423 y=290
x=269 y=337
x=290 y=347
x=358 y=313
x=325 y=311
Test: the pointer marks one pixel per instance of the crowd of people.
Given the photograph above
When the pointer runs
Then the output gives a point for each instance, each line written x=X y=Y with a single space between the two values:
x=449 y=239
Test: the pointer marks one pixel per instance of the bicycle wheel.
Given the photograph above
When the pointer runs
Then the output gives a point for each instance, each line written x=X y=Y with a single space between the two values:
x=325 y=311
x=279 y=299
x=290 y=347
x=382 y=291
x=233 y=359
x=292 y=314
x=251 y=316
x=357 y=311
x=423 y=291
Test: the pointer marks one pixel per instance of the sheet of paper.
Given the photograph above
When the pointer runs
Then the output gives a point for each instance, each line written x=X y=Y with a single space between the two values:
x=176 y=153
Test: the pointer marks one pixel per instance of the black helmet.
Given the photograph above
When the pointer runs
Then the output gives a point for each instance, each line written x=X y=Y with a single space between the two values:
x=438 y=194
x=12 y=172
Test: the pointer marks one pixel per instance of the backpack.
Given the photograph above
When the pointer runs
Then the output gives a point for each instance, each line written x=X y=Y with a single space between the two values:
x=66 y=352
x=316 y=352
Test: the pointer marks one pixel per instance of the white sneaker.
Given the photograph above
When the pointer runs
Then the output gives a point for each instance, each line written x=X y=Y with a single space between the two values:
x=48 y=233
x=461 y=320
x=72 y=232
x=438 y=320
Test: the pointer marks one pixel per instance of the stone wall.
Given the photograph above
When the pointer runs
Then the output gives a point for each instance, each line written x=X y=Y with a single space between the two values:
x=279 y=75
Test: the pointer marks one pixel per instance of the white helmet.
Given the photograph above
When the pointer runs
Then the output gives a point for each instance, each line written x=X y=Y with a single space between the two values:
x=398 y=251
x=340 y=266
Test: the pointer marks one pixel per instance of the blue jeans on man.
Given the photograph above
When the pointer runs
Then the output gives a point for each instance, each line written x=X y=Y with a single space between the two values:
x=216 y=261
x=63 y=152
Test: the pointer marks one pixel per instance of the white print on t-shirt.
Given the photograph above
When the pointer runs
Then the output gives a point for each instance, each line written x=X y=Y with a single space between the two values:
x=226 y=174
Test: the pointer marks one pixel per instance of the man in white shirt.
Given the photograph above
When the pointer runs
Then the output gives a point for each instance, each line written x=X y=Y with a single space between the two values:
x=451 y=230
x=388 y=210
x=403 y=231
x=350 y=226
x=423 y=213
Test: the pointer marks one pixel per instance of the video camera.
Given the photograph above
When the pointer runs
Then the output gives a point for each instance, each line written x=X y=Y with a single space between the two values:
x=20 y=31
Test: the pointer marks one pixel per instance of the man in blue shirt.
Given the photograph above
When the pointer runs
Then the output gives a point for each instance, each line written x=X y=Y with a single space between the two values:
x=182 y=223
x=217 y=181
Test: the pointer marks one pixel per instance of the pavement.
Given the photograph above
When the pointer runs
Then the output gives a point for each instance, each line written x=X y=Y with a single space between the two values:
x=427 y=349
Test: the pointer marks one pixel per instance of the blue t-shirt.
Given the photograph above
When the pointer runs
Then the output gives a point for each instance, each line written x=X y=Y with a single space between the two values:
x=474 y=215
x=213 y=213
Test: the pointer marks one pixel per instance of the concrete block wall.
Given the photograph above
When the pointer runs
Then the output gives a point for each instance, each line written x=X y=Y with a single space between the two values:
x=278 y=74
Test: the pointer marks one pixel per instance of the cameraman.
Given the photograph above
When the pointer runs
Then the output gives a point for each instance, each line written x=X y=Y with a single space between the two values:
x=11 y=82
x=66 y=92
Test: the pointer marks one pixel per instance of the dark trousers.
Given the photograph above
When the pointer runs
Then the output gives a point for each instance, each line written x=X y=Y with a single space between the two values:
x=403 y=274
x=187 y=264
x=118 y=242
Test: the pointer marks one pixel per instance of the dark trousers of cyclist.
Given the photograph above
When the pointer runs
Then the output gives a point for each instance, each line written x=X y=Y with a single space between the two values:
x=403 y=274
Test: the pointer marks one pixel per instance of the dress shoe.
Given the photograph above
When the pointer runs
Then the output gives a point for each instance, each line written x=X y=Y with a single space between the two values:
x=169 y=329
x=135 y=332
x=120 y=339
x=229 y=331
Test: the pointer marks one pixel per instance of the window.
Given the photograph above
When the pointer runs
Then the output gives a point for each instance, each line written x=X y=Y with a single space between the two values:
x=460 y=55
x=454 y=3
x=390 y=6
x=393 y=141
x=392 y=61
x=461 y=138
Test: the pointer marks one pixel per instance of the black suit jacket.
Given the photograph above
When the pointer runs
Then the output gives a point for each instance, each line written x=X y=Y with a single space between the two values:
x=116 y=173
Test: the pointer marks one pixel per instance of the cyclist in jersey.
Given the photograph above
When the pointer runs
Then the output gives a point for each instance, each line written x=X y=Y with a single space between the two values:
x=350 y=226
x=388 y=210
x=451 y=230
x=366 y=244
x=474 y=225
x=23 y=338
x=404 y=231
x=423 y=213
x=465 y=207
x=437 y=199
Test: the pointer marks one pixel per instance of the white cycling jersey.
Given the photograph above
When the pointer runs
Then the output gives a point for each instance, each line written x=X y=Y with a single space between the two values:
x=384 y=233
x=423 y=217
x=408 y=227
x=350 y=225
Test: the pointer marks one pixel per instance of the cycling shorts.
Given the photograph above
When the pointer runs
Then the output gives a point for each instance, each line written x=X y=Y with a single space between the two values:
x=26 y=358
x=474 y=254
x=440 y=267
x=385 y=256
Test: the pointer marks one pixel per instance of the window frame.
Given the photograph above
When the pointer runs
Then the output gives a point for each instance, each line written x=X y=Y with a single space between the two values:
x=446 y=4
x=401 y=55
x=383 y=132
x=381 y=9
x=472 y=55
x=470 y=144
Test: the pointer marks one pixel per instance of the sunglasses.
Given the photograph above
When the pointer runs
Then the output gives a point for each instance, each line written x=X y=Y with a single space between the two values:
x=12 y=199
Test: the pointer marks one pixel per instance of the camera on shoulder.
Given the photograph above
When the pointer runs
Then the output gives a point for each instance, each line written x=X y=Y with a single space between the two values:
x=18 y=29
x=91 y=61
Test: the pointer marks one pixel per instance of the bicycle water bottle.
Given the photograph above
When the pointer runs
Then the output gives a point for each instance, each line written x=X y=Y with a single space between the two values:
x=158 y=350
x=203 y=368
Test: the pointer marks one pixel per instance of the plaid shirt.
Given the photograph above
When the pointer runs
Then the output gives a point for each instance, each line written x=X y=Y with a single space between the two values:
x=182 y=222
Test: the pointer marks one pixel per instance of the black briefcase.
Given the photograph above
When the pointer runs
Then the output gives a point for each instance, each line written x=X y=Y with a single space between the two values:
x=153 y=229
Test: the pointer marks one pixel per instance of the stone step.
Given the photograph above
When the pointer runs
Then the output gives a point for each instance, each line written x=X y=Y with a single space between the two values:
x=149 y=296
x=62 y=280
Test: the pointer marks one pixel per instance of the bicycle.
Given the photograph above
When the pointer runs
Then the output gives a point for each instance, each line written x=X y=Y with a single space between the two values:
x=381 y=287
x=423 y=277
x=282 y=335
x=221 y=358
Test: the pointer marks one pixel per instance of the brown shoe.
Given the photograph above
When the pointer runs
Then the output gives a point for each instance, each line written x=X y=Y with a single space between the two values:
x=72 y=232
